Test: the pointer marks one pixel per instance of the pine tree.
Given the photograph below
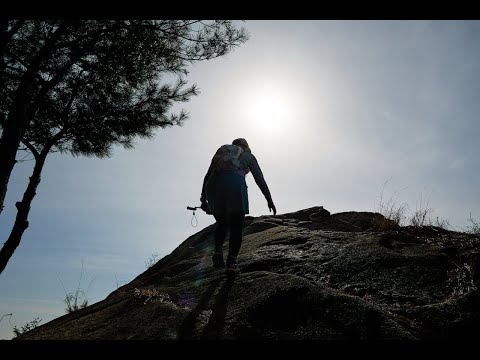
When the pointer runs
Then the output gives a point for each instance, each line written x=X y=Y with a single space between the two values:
x=84 y=86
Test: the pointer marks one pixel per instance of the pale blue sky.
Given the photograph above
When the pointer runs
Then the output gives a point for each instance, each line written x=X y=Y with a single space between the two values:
x=331 y=109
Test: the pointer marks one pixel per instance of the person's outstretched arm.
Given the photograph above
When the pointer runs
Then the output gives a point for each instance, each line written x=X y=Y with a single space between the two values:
x=262 y=184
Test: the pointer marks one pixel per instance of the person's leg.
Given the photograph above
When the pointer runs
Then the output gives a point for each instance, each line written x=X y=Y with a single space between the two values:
x=236 y=237
x=220 y=232
x=219 y=235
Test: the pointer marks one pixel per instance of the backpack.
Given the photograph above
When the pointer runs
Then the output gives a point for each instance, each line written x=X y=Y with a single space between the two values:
x=227 y=159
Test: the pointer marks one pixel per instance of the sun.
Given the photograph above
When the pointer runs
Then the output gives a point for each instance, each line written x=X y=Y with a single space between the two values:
x=269 y=109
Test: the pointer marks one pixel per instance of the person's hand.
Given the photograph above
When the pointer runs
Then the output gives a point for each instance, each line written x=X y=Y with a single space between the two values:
x=271 y=207
x=205 y=207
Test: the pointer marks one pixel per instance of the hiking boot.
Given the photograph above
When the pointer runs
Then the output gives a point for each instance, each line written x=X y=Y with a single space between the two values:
x=232 y=270
x=218 y=261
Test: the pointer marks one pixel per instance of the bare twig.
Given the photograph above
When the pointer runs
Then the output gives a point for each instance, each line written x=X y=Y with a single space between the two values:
x=6 y=315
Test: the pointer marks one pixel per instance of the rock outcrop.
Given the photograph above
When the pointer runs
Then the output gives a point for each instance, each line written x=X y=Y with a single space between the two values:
x=307 y=275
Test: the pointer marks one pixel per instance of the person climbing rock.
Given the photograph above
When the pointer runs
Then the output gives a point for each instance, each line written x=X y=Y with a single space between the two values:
x=225 y=196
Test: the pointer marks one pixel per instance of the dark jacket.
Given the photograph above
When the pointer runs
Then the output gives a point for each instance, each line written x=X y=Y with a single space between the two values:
x=227 y=192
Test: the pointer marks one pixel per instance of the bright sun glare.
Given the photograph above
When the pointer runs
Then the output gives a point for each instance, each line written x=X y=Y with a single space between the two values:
x=270 y=110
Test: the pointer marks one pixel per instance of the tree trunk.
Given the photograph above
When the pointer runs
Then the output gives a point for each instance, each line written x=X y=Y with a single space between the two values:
x=23 y=208
x=17 y=121
x=13 y=131
x=5 y=153
x=12 y=134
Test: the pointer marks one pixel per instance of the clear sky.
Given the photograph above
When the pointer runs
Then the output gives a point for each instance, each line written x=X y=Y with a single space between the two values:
x=335 y=111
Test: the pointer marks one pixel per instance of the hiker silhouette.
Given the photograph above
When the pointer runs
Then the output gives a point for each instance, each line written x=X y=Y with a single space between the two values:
x=225 y=196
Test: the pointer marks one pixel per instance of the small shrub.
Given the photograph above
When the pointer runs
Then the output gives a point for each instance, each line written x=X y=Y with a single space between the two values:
x=27 y=327
x=390 y=209
x=474 y=227
x=78 y=299
x=152 y=260
x=75 y=301
x=395 y=213
x=443 y=223
x=421 y=217
x=119 y=283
